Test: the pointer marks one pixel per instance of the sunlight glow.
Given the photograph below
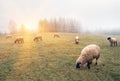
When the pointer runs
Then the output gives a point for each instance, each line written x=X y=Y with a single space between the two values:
x=30 y=26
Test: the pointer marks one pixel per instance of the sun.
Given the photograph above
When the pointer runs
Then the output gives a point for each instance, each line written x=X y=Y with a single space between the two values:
x=28 y=26
x=31 y=26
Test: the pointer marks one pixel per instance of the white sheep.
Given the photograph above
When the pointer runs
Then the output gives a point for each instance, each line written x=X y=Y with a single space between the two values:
x=19 y=40
x=113 y=41
x=77 y=40
x=87 y=55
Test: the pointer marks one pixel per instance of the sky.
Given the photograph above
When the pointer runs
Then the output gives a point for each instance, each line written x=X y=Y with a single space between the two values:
x=91 y=14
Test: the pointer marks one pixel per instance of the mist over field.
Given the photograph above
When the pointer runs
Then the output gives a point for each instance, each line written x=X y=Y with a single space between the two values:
x=92 y=16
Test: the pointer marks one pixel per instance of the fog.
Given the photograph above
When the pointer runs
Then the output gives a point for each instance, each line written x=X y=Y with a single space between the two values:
x=93 y=15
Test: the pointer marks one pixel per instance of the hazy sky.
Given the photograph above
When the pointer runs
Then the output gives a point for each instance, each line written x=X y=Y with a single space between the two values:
x=92 y=14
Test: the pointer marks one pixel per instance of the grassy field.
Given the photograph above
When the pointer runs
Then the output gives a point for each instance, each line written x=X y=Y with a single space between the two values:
x=53 y=59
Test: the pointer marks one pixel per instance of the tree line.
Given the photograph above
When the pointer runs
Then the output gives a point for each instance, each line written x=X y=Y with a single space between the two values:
x=50 y=25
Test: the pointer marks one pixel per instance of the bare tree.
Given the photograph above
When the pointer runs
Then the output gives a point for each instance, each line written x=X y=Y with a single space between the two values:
x=59 y=25
x=12 y=27
x=43 y=26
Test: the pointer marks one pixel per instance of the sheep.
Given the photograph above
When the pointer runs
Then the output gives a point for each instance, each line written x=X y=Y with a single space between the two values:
x=37 y=38
x=88 y=54
x=8 y=36
x=19 y=40
x=113 y=41
x=77 y=40
x=56 y=35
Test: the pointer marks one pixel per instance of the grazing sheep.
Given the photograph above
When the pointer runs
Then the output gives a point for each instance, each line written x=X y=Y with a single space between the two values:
x=37 y=38
x=8 y=36
x=88 y=53
x=113 y=41
x=56 y=35
x=19 y=40
x=77 y=40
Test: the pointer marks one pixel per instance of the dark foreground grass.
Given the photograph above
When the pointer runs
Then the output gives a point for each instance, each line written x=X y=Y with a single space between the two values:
x=54 y=59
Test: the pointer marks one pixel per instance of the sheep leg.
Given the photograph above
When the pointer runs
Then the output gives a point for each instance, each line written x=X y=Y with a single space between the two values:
x=21 y=41
x=116 y=43
x=15 y=41
x=97 y=59
x=111 y=44
x=18 y=41
x=88 y=64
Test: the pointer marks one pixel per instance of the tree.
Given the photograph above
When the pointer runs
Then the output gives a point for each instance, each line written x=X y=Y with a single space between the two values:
x=12 y=27
x=59 y=25
x=43 y=26
x=22 y=29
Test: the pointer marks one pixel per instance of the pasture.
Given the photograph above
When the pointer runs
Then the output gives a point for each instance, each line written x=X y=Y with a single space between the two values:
x=53 y=59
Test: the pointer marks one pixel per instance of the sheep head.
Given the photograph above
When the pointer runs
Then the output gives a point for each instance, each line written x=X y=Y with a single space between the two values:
x=109 y=38
x=78 y=65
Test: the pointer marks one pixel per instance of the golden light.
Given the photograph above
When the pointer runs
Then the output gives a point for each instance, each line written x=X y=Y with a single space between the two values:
x=31 y=27
x=28 y=25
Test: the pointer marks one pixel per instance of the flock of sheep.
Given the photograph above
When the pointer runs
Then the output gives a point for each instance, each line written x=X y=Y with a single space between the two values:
x=37 y=38
x=88 y=53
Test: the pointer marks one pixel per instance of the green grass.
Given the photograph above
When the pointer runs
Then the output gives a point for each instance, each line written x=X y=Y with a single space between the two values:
x=53 y=59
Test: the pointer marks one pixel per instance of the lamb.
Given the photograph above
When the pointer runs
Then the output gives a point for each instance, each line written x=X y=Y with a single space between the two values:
x=88 y=54
x=56 y=35
x=113 y=41
x=8 y=36
x=19 y=40
x=77 y=40
x=37 y=38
